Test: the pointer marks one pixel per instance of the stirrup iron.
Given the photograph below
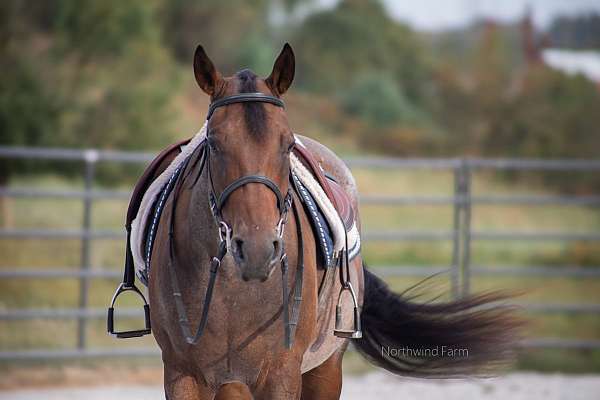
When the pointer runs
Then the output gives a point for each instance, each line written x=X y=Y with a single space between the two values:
x=339 y=331
x=111 y=311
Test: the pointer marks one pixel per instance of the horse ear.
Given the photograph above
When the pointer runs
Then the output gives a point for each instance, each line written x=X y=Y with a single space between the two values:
x=283 y=71
x=204 y=71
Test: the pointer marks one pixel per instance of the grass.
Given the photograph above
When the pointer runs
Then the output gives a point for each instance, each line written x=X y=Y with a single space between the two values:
x=108 y=214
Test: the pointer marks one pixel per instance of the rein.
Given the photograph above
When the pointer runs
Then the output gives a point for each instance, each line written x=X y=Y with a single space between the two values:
x=216 y=204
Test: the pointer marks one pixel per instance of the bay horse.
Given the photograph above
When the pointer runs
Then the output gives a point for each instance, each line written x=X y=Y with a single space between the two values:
x=231 y=248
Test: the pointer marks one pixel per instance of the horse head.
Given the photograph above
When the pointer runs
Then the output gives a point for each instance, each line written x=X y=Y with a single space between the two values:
x=249 y=143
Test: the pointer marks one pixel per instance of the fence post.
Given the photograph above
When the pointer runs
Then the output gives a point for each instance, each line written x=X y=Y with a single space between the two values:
x=456 y=234
x=91 y=157
x=466 y=228
x=461 y=252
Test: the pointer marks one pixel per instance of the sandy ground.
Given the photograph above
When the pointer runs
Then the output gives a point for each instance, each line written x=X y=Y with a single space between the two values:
x=379 y=386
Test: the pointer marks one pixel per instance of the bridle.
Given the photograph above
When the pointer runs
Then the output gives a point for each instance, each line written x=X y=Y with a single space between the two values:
x=243 y=98
x=216 y=204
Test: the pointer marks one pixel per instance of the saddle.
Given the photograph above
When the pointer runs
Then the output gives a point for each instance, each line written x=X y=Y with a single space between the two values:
x=152 y=171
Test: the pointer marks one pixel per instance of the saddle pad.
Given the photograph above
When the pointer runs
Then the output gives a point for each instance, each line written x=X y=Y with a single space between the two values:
x=319 y=224
x=138 y=224
x=158 y=208
x=327 y=225
x=322 y=230
x=345 y=236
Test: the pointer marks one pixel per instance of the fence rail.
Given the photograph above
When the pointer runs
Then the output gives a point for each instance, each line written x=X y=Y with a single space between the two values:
x=460 y=234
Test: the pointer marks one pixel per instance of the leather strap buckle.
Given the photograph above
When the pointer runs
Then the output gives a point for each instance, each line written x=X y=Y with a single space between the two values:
x=225 y=234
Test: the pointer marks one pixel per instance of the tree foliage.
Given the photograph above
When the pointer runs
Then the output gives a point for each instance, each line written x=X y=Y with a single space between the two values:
x=377 y=99
x=336 y=46
x=105 y=74
x=85 y=73
x=223 y=27
x=576 y=32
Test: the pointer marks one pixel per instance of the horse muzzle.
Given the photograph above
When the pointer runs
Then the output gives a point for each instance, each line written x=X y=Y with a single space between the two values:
x=255 y=257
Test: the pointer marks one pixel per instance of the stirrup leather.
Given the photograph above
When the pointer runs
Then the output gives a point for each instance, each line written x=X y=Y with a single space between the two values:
x=339 y=331
x=111 y=311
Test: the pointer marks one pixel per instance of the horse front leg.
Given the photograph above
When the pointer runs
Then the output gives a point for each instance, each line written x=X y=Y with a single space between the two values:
x=325 y=381
x=283 y=382
x=234 y=391
x=179 y=386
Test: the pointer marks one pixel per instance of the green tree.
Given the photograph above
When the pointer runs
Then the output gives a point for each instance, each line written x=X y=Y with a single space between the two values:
x=96 y=29
x=356 y=37
x=553 y=116
x=377 y=99
x=84 y=74
x=223 y=27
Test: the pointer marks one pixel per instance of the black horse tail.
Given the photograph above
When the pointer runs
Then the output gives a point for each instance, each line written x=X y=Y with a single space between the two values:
x=469 y=336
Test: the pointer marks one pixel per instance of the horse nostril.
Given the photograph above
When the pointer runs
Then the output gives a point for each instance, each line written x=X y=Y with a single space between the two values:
x=238 y=251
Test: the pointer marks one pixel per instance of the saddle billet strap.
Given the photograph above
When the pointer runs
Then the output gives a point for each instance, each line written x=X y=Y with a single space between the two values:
x=244 y=98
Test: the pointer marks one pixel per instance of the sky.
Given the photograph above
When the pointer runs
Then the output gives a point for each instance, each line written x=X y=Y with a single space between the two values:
x=443 y=14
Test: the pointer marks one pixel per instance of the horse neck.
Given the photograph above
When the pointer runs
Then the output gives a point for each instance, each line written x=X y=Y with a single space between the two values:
x=196 y=230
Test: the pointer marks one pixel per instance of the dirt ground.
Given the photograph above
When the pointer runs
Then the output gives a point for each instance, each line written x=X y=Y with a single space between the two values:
x=376 y=385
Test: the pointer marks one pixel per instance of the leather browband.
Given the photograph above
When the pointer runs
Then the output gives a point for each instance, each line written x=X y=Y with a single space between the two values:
x=244 y=98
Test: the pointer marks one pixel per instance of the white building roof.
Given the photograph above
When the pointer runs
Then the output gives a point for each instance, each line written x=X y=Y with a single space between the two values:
x=573 y=62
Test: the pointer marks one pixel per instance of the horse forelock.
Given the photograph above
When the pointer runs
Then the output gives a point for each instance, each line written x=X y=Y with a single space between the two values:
x=254 y=112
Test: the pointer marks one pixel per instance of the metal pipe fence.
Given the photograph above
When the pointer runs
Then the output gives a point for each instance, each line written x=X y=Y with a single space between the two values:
x=461 y=235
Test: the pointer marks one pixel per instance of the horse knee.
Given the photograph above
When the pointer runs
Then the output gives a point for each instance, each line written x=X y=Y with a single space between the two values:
x=234 y=391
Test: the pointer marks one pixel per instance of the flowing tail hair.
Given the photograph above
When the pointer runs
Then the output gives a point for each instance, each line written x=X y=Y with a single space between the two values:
x=468 y=336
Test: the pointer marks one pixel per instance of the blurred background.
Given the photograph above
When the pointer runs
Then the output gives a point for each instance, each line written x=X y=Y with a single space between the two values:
x=504 y=83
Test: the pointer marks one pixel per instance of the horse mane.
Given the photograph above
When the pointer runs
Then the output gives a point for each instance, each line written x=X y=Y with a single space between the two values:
x=254 y=113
